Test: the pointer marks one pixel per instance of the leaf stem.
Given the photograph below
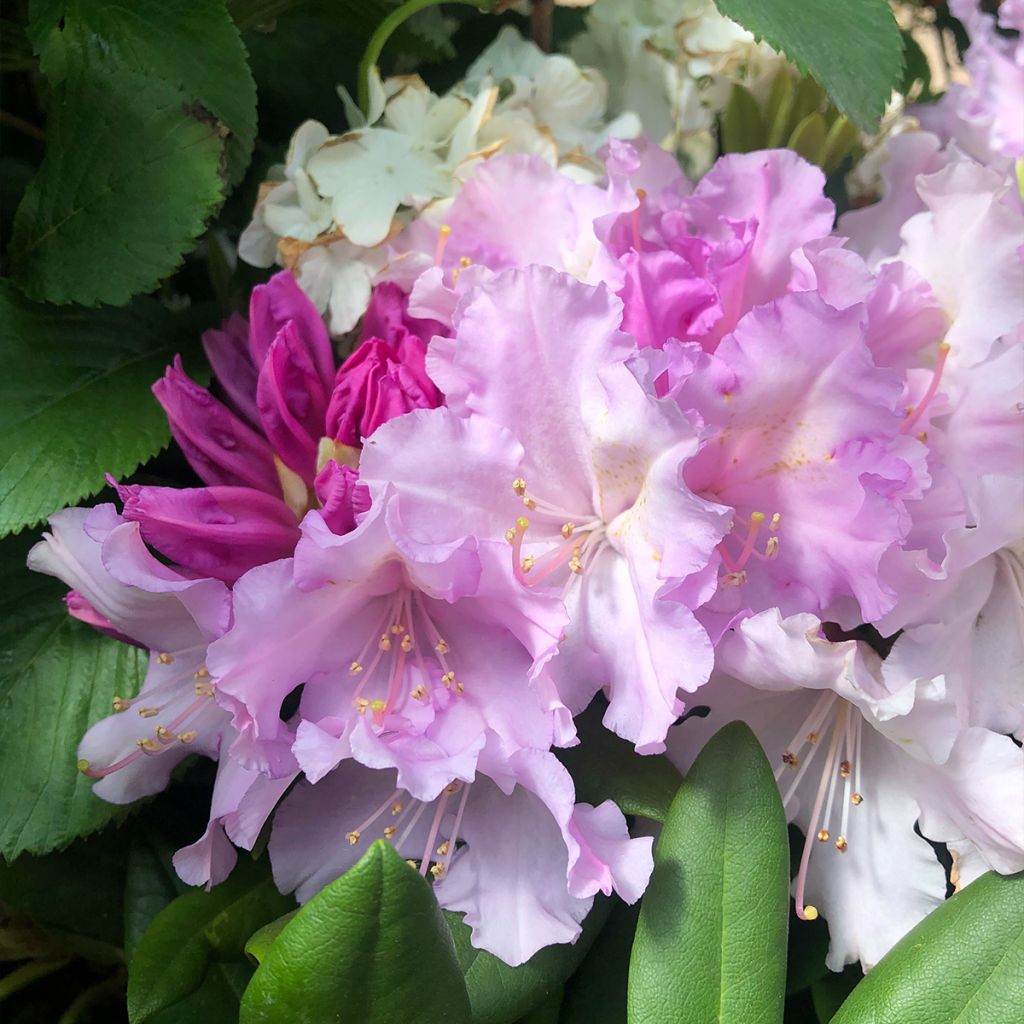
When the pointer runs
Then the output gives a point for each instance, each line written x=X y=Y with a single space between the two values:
x=28 y=973
x=384 y=32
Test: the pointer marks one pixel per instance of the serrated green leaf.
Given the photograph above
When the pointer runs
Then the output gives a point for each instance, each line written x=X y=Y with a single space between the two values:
x=57 y=677
x=963 y=964
x=853 y=48
x=605 y=767
x=196 y=936
x=743 y=128
x=370 y=948
x=499 y=994
x=711 y=941
x=191 y=45
x=130 y=175
x=75 y=400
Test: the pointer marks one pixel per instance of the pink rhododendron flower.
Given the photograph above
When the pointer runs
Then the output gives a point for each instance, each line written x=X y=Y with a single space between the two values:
x=102 y=556
x=861 y=758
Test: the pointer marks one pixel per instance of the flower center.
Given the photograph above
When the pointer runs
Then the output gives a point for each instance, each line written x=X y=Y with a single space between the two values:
x=403 y=814
x=833 y=724
x=404 y=658
x=567 y=543
x=736 y=574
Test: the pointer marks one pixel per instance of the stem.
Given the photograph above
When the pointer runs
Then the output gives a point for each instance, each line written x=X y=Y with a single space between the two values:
x=26 y=974
x=541 y=13
x=103 y=990
x=384 y=32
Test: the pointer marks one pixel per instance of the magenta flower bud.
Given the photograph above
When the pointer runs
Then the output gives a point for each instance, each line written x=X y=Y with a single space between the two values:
x=214 y=531
x=292 y=401
x=341 y=496
x=387 y=317
x=227 y=350
x=377 y=383
x=217 y=444
x=273 y=305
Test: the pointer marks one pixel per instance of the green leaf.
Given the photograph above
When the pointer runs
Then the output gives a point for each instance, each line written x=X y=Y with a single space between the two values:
x=711 y=941
x=260 y=942
x=743 y=127
x=596 y=992
x=370 y=948
x=57 y=677
x=198 y=935
x=963 y=963
x=829 y=991
x=75 y=400
x=779 y=109
x=78 y=890
x=839 y=143
x=131 y=173
x=854 y=48
x=605 y=767
x=499 y=994
x=191 y=45
x=150 y=883
x=808 y=138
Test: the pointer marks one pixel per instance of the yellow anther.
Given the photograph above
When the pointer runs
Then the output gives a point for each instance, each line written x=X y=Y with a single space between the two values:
x=396 y=808
x=527 y=563
x=437 y=870
x=775 y=523
x=448 y=678
x=856 y=799
x=355 y=668
x=361 y=705
x=412 y=864
x=165 y=659
x=734 y=579
x=441 y=647
x=187 y=737
x=522 y=524
x=83 y=765
x=203 y=689
x=165 y=735
x=398 y=629
x=529 y=503
x=756 y=518
x=465 y=261
x=844 y=769
x=575 y=565
x=406 y=644
x=922 y=436
x=384 y=643
x=519 y=486
x=459 y=688
x=352 y=837
x=823 y=835
x=567 y=529
x=120 y=704
x=202 y=673
x=810 y=913
x=148 y=744
x=148 y=712
x=510 y=536
x=812 y=737
x=842 y=845
x=418 y=692
x=390 y=831
x=788 y=757
x=442 y=850
x=771 y=549
x=452 y=787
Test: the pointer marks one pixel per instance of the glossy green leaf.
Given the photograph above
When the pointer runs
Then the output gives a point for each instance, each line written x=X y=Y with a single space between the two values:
x=150 y=882
x=605 y=767
x=370 y=948
x=711 y=940
x=963 y=964
x=57 y=677
x=499 y=994
x=853 y=48
x=196 y=935
x=830 y=991
x=131 y=173
x=742 y=126
x=260 y=942
x=75 y=400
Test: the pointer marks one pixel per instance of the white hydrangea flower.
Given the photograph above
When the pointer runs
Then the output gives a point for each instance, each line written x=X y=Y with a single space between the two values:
x=333 y=206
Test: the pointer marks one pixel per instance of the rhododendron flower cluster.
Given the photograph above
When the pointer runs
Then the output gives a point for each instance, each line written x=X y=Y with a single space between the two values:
x=681 y=445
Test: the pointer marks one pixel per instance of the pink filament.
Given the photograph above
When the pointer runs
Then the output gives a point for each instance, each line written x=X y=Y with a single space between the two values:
x=915 y=414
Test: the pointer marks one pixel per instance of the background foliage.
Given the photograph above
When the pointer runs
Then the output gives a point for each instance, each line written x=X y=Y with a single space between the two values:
x=133 y=138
